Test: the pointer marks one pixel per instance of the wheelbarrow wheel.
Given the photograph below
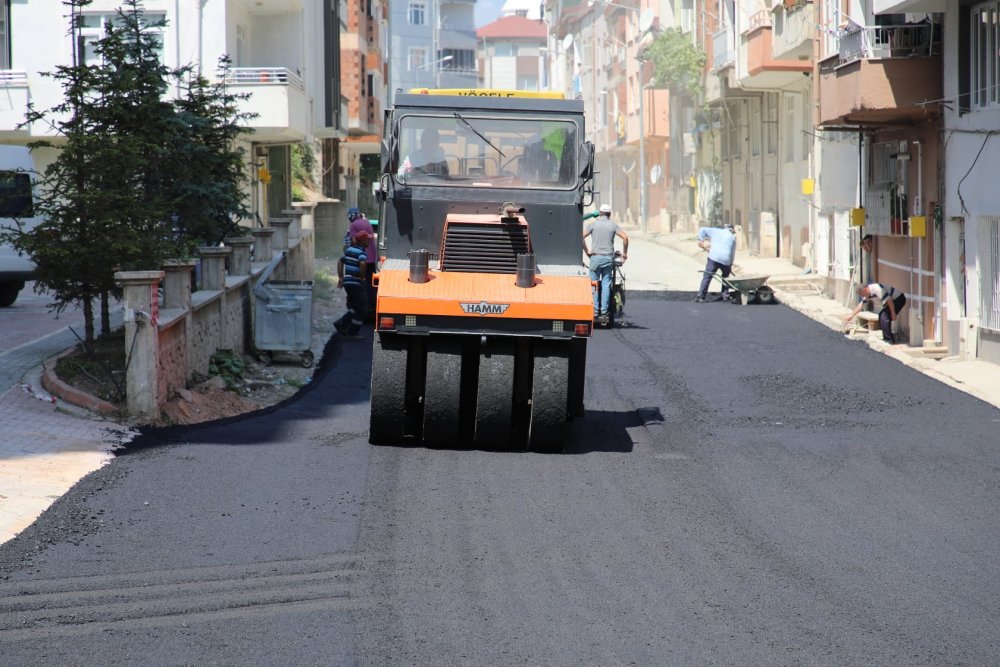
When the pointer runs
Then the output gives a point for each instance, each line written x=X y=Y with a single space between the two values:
x=765 y=294
x=307 y=359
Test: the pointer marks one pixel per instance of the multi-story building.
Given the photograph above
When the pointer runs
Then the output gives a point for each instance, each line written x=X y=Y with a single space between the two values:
x=962 y=205
x=598 y=45
x=276 y=49
x=363 y=74
x=433 y=44
x=880 y=78
x=511 y=54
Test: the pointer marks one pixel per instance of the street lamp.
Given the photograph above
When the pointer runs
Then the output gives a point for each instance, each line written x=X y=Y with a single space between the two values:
x=437 y=70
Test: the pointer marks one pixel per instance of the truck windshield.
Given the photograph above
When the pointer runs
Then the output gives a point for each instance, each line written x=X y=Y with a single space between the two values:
x=468 y=150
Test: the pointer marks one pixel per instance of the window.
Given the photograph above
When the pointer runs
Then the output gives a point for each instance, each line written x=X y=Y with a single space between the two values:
x=771 y=123
x=416 y=58
x=731 y=131
x=4 y=37
x=93 y=29
x=806 y=137
x=241 y=45
x=478 y=148
x=15 y=195
x=505 y=49
x=417 y=13
x=461 y=59
x=984 y=55
x=790 y=128
x=989 y=260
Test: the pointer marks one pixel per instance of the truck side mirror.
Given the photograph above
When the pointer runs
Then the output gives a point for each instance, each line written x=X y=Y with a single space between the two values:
x=587 y=161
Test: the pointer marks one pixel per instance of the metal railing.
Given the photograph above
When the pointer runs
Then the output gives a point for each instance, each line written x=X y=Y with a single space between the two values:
x=264 y=76
x=871 y=42
x=723 y=48
x=13 y=77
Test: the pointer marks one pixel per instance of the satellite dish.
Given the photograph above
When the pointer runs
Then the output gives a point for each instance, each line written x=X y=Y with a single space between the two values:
x=646 y=19
x=567 y=42
x=654 y=174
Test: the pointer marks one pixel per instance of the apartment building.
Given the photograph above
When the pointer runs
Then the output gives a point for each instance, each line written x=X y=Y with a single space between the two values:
x=966 y=230
x=596 y=53
x=278 y=50
x=433 y=44
x=512 y=54
x=364 y=43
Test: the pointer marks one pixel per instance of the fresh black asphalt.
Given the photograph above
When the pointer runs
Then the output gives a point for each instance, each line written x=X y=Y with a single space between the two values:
x=747 y=487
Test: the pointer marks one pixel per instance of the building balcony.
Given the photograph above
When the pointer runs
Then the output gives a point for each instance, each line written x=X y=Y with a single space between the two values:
x=270 y=6
x=277 y=96
x=876 y=42
x=723 y=48
x=904 y=6
x=14 y=97
x=879 y=91
x=793 y=30
x=762 y=70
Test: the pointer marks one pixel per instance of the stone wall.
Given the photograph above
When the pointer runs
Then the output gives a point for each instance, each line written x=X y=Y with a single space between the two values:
x=169 y=339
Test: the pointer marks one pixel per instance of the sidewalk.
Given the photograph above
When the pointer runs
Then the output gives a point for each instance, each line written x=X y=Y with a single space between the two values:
x=976 y=378
x=45 y=448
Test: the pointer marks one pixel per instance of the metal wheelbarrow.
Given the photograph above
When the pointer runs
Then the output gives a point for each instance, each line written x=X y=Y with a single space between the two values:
x=749 y=288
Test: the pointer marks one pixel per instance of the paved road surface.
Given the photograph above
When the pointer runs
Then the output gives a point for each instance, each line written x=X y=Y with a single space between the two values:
x=747 y=487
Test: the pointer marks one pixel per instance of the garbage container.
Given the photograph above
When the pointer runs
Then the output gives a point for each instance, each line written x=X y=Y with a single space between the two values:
x=282 y=317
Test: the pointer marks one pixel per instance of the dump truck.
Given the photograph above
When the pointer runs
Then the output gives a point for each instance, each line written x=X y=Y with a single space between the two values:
x=483 y=307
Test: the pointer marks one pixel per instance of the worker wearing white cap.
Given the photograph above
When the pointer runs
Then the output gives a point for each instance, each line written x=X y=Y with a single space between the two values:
x=602 y=255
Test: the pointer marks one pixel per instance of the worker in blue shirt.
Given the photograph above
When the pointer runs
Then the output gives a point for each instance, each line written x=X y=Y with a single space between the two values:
x=721 y=252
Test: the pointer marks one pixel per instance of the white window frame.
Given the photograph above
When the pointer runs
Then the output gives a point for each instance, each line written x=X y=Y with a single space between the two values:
x=989 y=272
x=984 y=55
x=791 y=122
x=416 y=13
x=4 y=36
x=93 y=33
x=417 y=57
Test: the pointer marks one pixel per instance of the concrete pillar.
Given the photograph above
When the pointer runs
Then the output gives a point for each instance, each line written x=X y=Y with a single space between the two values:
x=307 y=208
x=177 y=283
x=262 y=238
x=280 y=226
x=239 y=264
x=213 y=267
x=295 y=230
x=142 y=341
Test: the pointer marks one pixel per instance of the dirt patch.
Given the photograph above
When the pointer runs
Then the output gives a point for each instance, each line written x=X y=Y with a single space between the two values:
x=237 y=386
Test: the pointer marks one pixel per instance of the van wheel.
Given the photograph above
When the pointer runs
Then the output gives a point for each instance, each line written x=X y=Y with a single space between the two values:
x=9 y=292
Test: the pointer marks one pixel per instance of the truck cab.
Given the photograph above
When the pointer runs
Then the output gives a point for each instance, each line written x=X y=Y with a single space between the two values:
x=16 y=212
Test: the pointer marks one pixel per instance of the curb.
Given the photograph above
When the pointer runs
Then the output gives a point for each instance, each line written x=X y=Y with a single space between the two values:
x=72 y=395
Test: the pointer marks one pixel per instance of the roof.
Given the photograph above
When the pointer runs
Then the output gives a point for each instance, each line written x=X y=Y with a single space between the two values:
x=511 y=27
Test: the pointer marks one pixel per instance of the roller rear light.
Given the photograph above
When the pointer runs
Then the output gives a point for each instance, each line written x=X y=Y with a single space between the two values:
x=386 y=322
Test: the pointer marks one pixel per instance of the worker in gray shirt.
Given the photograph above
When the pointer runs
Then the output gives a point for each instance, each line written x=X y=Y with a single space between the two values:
x=602 y=256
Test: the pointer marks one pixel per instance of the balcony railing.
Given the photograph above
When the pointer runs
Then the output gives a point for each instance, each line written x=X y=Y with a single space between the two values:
x=264 y=76
x=13 y=78
x=723 y=48
x=871 y=42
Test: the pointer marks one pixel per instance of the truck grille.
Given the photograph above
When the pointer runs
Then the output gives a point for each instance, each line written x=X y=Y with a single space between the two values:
x=483 y=248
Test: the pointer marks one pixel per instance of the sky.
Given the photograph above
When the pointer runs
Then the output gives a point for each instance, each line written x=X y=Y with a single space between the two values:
x=487 y=11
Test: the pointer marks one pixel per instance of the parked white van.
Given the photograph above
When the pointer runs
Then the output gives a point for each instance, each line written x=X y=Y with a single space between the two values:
x=16 y=208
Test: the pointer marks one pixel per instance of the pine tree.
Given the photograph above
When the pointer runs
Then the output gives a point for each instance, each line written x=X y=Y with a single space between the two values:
x=138 y=178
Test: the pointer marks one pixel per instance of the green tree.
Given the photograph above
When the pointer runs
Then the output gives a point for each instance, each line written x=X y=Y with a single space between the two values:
x=137 y=178
x=209 y=172
x=677 y=63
